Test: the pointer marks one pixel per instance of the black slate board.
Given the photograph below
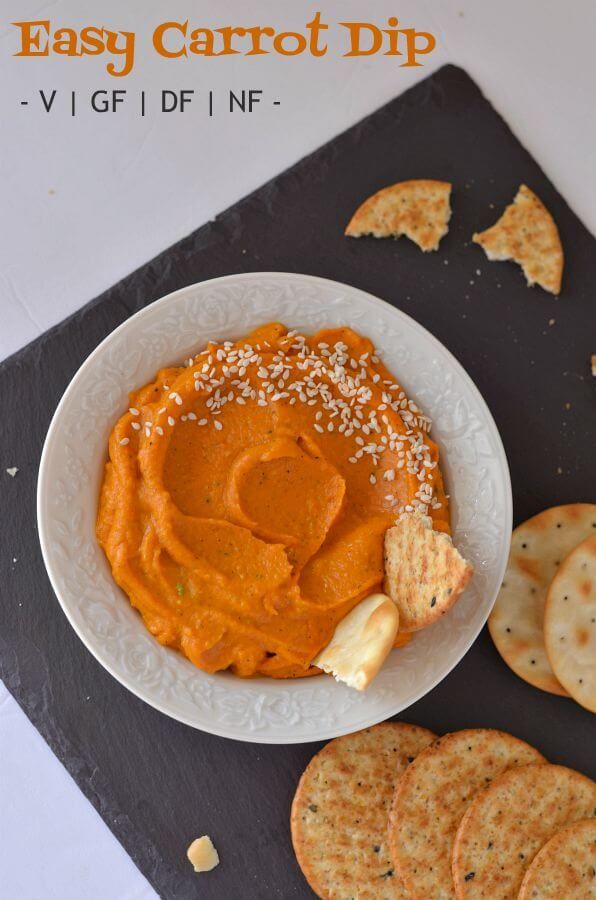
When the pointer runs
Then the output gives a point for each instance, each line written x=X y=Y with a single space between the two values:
x=158 y=783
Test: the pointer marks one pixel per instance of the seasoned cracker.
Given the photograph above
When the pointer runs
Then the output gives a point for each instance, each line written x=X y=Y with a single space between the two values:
x=570 y=623
x=419 y=209
x=339 y=813
x=424 y=573
x=565 y=868
x=506 y=826
x=434 y=793
x=361 y=642
x=527 y=234
x=538 y=547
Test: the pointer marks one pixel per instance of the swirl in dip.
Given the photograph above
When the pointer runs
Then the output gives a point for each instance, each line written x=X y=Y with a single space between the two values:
x=247 y=494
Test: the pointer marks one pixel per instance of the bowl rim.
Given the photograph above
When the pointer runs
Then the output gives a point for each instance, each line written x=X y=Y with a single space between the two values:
x=53 y=434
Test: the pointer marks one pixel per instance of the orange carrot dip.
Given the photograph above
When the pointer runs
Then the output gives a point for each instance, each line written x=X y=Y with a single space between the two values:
x=247 y=494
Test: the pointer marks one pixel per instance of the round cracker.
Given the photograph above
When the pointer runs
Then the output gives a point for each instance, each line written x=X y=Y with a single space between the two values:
x=434 y=793
x=340 y=809
x=538 y=547
x=565 y=867
x=506 y=825
x=570 y=623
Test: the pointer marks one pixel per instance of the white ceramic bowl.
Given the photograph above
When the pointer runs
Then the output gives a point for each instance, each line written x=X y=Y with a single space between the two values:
x=168 y=332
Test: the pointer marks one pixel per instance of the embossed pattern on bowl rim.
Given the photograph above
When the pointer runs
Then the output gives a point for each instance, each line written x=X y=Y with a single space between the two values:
x=169 y=331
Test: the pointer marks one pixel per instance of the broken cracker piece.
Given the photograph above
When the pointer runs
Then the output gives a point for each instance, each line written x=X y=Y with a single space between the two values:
x=419 y=209
x=527 y=234
x=424 y=572
x=361 y=642
x=593 y=361
x=202 y=854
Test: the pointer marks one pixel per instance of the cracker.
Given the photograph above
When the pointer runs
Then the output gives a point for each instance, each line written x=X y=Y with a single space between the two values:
x=570 y=623
x=538 y=547
x=565 y=867
x=432 y=796
x=339 y=813
x=419 y=209
x=506 y=825
x=424 y=573
x=527 y=234
x=361 y=642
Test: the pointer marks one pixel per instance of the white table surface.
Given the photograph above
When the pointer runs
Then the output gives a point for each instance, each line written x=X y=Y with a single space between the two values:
x=98 y=195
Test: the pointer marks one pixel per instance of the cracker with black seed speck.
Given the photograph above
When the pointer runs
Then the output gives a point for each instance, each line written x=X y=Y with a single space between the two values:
x=565 y=867
x=418 y=208
x=424 y=573
x=520 y=811
x=570 y=623
x=527 y=234
x=516 y=624
x=342 y=847
x=432 y=796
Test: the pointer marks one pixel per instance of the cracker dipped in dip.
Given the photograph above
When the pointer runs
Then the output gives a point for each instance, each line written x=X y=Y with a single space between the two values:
x=247 y=495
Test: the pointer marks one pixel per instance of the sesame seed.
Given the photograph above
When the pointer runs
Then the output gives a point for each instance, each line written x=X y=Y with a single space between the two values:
x=133 y=411
x=124 y=441
x=340 y=388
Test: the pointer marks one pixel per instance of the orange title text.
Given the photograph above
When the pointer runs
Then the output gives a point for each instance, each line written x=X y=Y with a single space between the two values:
x=183 y=39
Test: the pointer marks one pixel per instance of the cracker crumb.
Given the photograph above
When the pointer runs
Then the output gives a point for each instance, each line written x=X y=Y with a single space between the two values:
x=594 y=365
x=202 y=854
x=12 y=471
x=551 y=321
